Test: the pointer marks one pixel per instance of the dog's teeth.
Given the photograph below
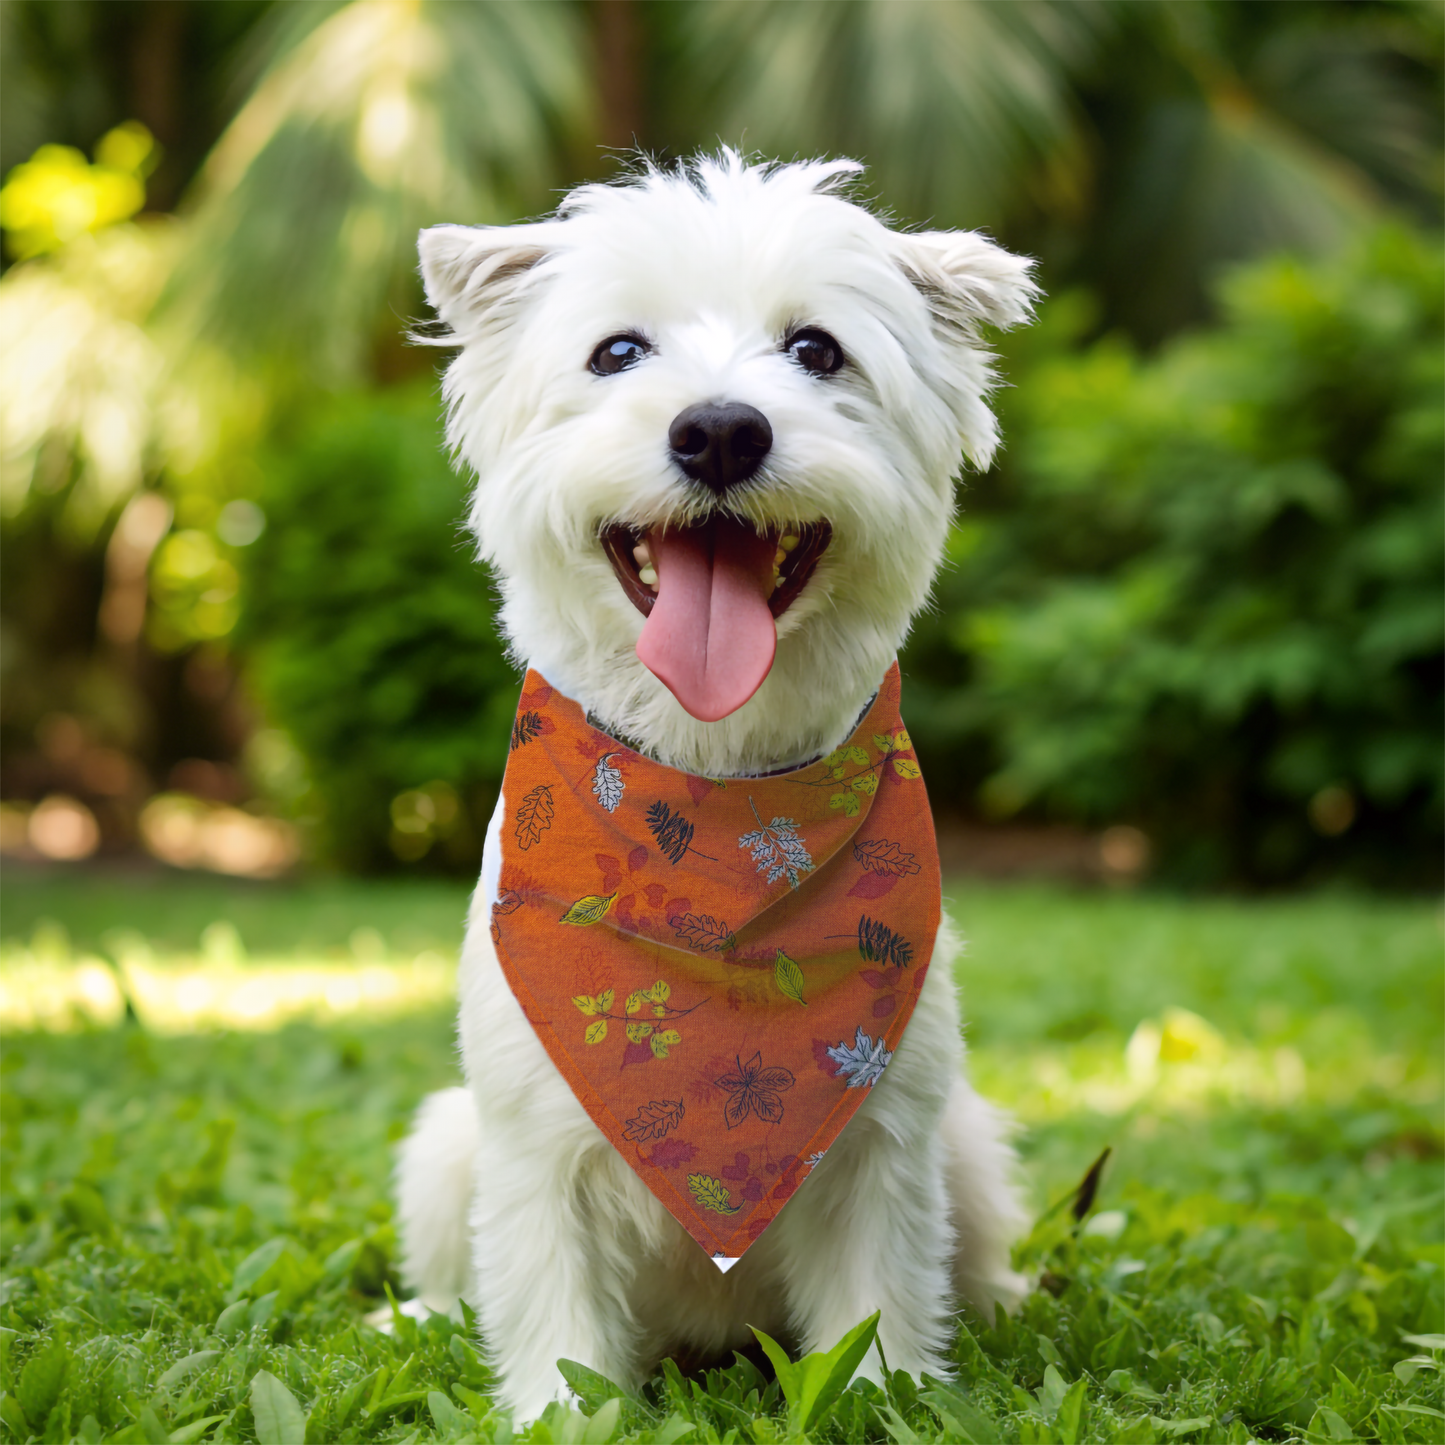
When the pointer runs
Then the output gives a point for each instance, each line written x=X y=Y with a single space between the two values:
x=641 y=555
x=647 y=576
x=788 y=543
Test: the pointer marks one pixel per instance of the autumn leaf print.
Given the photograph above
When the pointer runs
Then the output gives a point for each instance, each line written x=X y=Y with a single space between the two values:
x=662 y=1041
x=778 y=849
x=673 y=833
x=534 y=816
x=595 y=1032
x=907 y=768
x=653 y=1120
x=752 y=1089
x=607 y=783
x=508 y=901
x=601 y=1004
x=846 y=801
x=880 y=944
x=711 y=1194
x=590 y=908
x=861 y=1063
x=789 y=978
x=704 y=932
x=527 y=726
x=878 y=855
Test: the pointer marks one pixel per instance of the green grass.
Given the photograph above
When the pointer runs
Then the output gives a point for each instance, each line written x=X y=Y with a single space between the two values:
x=186 y=1218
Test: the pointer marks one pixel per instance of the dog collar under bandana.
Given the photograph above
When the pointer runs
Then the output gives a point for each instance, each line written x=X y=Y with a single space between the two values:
x=720 y=968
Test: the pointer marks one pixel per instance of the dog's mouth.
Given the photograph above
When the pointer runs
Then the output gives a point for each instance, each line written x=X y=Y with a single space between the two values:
x=711 y=593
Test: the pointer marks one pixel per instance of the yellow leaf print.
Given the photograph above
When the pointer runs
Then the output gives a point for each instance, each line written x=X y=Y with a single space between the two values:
x=634 y=1001
x=901 y=741
x=663 y=1040
x=907 y=768
x=586 y=1003
x=789 y=977
x=883 y=742
x=867 y=783
x=660 y=992
x=711 y=1193
x=590 y=908
x=847 y=801
x=595 y=1032
x=636 y=1033
x=858 y=756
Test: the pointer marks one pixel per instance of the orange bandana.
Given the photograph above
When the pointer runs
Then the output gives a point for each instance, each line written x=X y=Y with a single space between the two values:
x=721 y=969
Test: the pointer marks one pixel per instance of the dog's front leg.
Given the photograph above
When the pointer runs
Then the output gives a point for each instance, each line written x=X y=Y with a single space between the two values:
x=551 y=1279
x=869 y=1228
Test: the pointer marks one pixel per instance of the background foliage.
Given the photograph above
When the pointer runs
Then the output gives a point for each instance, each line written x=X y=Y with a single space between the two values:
x=1209 y=621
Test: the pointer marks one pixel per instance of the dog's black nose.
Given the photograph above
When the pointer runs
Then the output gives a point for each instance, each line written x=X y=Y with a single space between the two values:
x=720 y=444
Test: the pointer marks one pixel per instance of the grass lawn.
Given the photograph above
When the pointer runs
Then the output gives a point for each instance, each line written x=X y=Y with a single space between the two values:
x=194 y=1225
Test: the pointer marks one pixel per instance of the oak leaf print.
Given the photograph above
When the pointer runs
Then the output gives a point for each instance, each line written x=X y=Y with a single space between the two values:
x=778 y=849
x=789 y=978
x=752 y=1089
x=527 y=726
x=534 y=816
x=590 y=908
x=704 y=932
x=863 y=1062
x=878 y=855
x=607 y=782
x=711 y=1194
x=654 y=1119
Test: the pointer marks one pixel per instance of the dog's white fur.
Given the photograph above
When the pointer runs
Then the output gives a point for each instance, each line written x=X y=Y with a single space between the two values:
x=509 y=1195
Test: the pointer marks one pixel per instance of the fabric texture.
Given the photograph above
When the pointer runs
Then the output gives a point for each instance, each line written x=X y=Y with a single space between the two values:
x=720 y=968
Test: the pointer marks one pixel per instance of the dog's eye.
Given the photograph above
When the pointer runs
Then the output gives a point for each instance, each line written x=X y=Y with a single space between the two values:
x=815 y=351
x=617 y=353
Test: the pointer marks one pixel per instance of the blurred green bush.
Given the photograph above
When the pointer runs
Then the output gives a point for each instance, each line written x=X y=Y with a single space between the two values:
x=370 y=637
x=1202 y=590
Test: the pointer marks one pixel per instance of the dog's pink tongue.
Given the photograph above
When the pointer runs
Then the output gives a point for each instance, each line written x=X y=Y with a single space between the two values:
x=710 y=636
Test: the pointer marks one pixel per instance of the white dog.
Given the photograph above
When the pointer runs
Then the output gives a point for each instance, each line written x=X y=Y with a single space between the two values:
x=718 y=291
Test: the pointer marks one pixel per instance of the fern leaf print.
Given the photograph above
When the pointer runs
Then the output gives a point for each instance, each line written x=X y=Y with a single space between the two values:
x=879 y=944
x=777 y=849
x=671 y=830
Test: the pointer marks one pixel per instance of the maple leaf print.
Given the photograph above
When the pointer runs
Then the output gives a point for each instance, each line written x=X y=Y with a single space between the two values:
x=706 y=933
x=534 y=816
x=672 y=831
x=878 y=855
x=527 y=726
x=711 y=1194
x=879 y=944
x=777 y=849
x=654 y=1119
x=607 y=783
x=752 y=1089
x=862 y=1063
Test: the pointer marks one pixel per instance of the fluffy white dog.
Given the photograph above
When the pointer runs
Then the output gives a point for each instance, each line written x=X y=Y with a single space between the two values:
x=722 y=340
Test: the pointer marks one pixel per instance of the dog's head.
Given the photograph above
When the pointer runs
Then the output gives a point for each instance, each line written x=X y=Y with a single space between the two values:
x=714 y=415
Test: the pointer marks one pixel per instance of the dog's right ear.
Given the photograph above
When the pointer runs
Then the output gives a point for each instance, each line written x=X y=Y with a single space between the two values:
x=468 y=270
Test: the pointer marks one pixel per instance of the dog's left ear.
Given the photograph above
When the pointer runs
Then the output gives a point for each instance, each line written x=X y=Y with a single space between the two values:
x=966 y=279
x=469 y=270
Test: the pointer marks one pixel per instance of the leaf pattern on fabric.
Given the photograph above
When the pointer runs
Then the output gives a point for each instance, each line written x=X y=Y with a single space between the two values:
x=607 y=783
x=601 y=1004
x=590 y=908
x=878 y=855
x=704 y=932
x=879 y=944
x=671 y=1153
x=711 y=1194
x=672 y=831
x=753 y=1089
x=778 y=849
x=847 y=802
x=863 y=1062
x=508 y=901
x=527 y=726
x=654 y=1119
x=534 y=816
x=595 y=1032
x=907 y=768
x=789 y=977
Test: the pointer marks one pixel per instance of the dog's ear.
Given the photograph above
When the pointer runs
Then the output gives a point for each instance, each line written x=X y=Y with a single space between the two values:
x=967 y=279
x=466 y=270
